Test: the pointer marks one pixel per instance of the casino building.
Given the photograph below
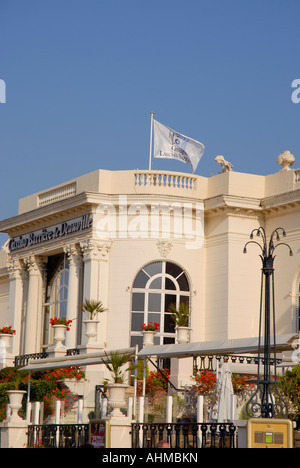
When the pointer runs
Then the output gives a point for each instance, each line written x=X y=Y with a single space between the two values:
x=141 y=240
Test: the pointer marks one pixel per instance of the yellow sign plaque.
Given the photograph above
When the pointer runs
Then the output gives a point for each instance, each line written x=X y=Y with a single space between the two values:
x=270 y=433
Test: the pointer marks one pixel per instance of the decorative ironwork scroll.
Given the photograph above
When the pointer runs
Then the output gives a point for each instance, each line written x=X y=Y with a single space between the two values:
x=266 y=402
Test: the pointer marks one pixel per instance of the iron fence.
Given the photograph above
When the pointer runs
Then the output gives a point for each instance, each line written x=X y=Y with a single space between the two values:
x=184 y=435
x=24 y=359
x=58 y=435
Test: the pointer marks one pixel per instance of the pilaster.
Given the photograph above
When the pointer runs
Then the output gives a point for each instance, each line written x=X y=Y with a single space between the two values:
x=96 y=277
x=16 y=293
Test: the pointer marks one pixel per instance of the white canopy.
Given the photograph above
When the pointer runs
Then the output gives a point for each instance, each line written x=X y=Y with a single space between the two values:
x=235 y=346
x=72 y=361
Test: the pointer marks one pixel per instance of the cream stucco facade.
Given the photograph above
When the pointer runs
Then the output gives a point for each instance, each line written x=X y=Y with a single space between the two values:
x=183 y=233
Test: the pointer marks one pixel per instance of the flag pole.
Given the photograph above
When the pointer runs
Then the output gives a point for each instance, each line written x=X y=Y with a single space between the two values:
x=151 y=130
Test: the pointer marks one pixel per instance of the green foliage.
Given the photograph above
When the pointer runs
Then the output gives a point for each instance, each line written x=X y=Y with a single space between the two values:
x=45 y=386
x=92 y=308
x=14 y=378
x=289 y=386
x=114 y=362
x=140 y=370
x=181 y=315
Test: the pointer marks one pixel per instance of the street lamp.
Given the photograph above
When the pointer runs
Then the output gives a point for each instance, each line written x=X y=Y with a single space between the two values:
x=266 y=401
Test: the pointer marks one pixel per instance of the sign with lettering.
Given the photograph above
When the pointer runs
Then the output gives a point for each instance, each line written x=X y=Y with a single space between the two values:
x=99 y=433
x=58 y=231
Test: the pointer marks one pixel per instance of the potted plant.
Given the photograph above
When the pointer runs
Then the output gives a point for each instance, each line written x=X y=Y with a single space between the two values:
x=6 y=334
x=92 y=308
x=180 y=317
x=15 y=394
x=114 y=362
x=149 y=332
x=60 y=326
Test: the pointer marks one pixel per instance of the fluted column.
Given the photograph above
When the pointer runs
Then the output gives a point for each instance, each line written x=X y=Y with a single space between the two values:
x=35 y=267
x=75 y=262
x=95 y=285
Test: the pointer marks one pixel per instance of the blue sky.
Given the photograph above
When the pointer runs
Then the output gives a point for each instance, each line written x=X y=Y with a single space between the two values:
x=82 y=77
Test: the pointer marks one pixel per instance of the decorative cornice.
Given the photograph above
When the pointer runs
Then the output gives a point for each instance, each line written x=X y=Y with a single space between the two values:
x=282 y=202
x=233 y=205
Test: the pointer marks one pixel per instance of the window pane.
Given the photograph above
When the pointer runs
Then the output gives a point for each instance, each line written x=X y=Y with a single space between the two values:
x=137 y=340
x=173 y=270
x=156 y=284
x=156 y=340
x=137 y=321
x=140 y=280
x=154 y=318
x=154 y=302
x=170 y=284
x=168 y=340
x=66 y=277
x=154 y=268
x=138 y=301
x=183 y=283
x=169 y=299
x=184 y=299
x=62 y=309
x=62 y=295
x=169 y=326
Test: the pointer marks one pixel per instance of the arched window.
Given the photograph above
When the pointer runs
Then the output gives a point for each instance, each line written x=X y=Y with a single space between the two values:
x=155 y=287
x=56 y=292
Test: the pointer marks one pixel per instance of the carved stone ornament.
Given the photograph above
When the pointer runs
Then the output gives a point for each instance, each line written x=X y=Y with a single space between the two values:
x=285 y=160
x=93 y=250
x=73 y=254
x=225 y=165
x=35 y=264
x=164 y=247
x=14 y=268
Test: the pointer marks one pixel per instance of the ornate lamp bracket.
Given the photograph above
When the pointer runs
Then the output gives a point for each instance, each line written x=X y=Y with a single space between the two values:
x=266 y=401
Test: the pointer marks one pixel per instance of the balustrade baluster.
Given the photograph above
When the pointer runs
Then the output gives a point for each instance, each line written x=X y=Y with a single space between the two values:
x=146 y=179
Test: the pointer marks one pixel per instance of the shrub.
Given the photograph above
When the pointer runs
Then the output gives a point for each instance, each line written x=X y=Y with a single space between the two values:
x=45 y=386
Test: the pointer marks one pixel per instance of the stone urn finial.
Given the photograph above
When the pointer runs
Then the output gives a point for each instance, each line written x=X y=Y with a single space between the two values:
x=285 y=159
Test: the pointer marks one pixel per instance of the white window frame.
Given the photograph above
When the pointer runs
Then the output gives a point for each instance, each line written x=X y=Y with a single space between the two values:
x=177 y=292
x=52 y=308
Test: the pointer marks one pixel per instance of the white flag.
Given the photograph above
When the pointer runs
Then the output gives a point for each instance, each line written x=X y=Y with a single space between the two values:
x=172 y=145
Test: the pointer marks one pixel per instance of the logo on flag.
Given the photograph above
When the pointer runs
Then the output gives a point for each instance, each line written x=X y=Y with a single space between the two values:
x=172 y=145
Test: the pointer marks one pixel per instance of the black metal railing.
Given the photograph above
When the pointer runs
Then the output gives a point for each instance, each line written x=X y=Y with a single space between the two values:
x=184 y=435
x=201 y=363
x=58 y=435
x=23 y=359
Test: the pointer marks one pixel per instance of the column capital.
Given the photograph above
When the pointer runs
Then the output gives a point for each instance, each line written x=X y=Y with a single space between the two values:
x=35 y=264
x=95 y=250
x=73 y=253
x=14 y=268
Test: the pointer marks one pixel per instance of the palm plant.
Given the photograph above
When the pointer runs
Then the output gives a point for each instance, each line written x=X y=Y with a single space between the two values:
x=92 y=308
x=181 y=315
x=114 y=362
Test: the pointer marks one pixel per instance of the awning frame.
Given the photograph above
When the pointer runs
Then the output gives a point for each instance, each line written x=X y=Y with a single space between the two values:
x=234 y=346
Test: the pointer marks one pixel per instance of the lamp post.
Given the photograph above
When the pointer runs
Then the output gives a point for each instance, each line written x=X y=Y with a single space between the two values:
x=266 y=401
